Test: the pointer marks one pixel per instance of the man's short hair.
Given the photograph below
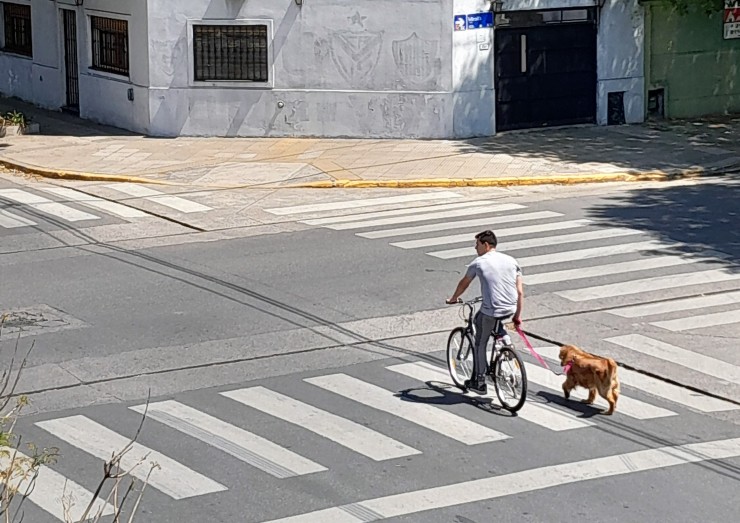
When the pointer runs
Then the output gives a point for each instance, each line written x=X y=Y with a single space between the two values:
x=487 y=237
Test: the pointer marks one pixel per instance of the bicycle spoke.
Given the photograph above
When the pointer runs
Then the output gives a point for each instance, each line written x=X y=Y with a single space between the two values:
x=510 y=380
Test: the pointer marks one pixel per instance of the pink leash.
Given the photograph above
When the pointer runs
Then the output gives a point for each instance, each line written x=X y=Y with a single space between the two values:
x=534 y=352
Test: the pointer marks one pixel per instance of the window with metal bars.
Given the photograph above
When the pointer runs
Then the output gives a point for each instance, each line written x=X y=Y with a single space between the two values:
x=230 y=53
x=109 y=45
x=17 y=25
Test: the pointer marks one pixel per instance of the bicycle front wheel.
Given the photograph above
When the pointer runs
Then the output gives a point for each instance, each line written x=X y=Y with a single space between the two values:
x=510 y=379
x=460 y=356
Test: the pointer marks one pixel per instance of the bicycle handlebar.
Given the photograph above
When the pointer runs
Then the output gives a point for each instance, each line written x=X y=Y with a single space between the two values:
x=468 y=302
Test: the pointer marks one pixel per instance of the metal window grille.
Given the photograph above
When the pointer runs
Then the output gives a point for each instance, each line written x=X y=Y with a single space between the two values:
x=230 y=53
x=110 y=45
x=17 y=29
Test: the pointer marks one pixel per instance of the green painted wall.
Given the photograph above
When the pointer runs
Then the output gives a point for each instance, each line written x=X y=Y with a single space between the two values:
x=687 y=56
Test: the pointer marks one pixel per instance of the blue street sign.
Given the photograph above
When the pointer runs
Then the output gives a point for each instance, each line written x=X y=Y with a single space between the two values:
x=460 y=23
x=480 y=20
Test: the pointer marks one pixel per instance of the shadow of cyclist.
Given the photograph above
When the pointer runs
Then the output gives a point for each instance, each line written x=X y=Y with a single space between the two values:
x=447 y=394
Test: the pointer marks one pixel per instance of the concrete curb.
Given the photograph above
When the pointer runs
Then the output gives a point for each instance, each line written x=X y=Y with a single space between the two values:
x=76 y=175
x=557 y=179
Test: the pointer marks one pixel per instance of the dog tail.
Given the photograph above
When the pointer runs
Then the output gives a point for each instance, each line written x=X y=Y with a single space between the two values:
x=613 y=373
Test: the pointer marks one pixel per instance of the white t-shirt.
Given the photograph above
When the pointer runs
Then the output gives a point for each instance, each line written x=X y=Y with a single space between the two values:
x=497 y=273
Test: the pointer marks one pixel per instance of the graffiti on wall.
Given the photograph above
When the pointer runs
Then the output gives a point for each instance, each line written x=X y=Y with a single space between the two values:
x=356 y=51
x=417 y=60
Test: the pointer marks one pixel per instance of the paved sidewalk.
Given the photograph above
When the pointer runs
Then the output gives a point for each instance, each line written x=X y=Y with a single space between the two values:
x=69 y=147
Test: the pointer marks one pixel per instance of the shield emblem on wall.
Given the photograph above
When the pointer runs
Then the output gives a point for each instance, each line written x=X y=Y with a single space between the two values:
x=417 y=60
x=356 y=54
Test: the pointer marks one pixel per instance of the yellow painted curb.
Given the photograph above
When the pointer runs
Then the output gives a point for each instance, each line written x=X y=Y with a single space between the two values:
x=76 y=175
x=118 y=178
x=502 y=182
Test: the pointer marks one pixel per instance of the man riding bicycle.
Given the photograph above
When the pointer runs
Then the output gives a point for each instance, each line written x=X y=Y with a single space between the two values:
x=503 y=295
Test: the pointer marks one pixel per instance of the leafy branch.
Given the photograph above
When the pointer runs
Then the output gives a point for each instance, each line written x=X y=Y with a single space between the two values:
x=707 y=6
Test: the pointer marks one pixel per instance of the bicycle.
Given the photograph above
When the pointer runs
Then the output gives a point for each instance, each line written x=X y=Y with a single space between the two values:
x=504 y=366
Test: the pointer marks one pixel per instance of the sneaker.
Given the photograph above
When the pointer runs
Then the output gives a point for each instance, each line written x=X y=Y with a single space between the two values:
x=478 y=386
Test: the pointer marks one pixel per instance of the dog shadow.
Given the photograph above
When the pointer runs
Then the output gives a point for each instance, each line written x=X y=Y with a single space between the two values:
x=585 y=410
x=448 y=394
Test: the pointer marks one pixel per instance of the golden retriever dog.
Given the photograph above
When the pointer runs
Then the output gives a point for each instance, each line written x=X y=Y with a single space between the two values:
x=591 y=372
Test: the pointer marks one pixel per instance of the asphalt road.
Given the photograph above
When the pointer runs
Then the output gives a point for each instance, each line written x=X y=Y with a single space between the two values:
x=234 y=291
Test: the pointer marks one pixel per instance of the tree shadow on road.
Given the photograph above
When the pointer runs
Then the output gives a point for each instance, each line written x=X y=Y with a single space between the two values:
x=703 y=217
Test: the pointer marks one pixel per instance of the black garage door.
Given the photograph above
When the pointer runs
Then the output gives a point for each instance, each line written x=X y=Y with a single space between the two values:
x=545 y=76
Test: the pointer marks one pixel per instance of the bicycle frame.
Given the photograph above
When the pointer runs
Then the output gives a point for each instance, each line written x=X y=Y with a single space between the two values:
x=503 y=356
x=468 y=308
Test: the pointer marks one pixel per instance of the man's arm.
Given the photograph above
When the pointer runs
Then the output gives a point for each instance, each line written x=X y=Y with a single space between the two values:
x=519 y=300
x=461 y=288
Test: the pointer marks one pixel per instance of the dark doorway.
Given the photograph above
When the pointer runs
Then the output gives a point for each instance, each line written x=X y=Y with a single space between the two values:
x=545 y=75
x=71 y=65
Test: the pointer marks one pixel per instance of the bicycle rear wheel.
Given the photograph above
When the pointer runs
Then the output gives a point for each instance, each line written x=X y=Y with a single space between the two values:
x=460 y=356
x=510 y=379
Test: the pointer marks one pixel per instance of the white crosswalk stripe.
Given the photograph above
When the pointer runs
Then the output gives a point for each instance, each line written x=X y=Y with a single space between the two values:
x=679 y=356
x=173 y=202
x=542 y=415
x=98 y=203
x=368 y=202
x=505 y=246
x=436 y=215
x=648 y=284
x=594 y=252
x=243 y=445
x=11 y=221
x=463 y=224
x=699 y=321
x=347 y=433
x=684 y=304
x=500 y=233
x=51 y=491
x=535 y=479
x=46 y=206
x=171 y=478
x=427 y=416
x=608 y=269
x=356 y=217
x=656 y=387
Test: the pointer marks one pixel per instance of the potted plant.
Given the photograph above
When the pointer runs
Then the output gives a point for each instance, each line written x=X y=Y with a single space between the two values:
x=15 y=122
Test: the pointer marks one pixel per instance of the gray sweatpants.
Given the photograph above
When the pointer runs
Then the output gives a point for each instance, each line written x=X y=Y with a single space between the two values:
x=484 y=326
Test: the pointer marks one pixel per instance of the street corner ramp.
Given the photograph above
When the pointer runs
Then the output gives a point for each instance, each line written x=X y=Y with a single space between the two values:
x=261 y=174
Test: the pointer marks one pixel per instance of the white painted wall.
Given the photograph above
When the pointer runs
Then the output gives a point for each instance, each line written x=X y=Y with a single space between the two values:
x=104 y=96
x=15 y=70
x=474 y=98
x=339 y=67
x=47 y=77
x=621 y=58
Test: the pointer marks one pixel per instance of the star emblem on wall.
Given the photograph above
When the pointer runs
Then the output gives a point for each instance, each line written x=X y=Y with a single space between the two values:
x=357 y=19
